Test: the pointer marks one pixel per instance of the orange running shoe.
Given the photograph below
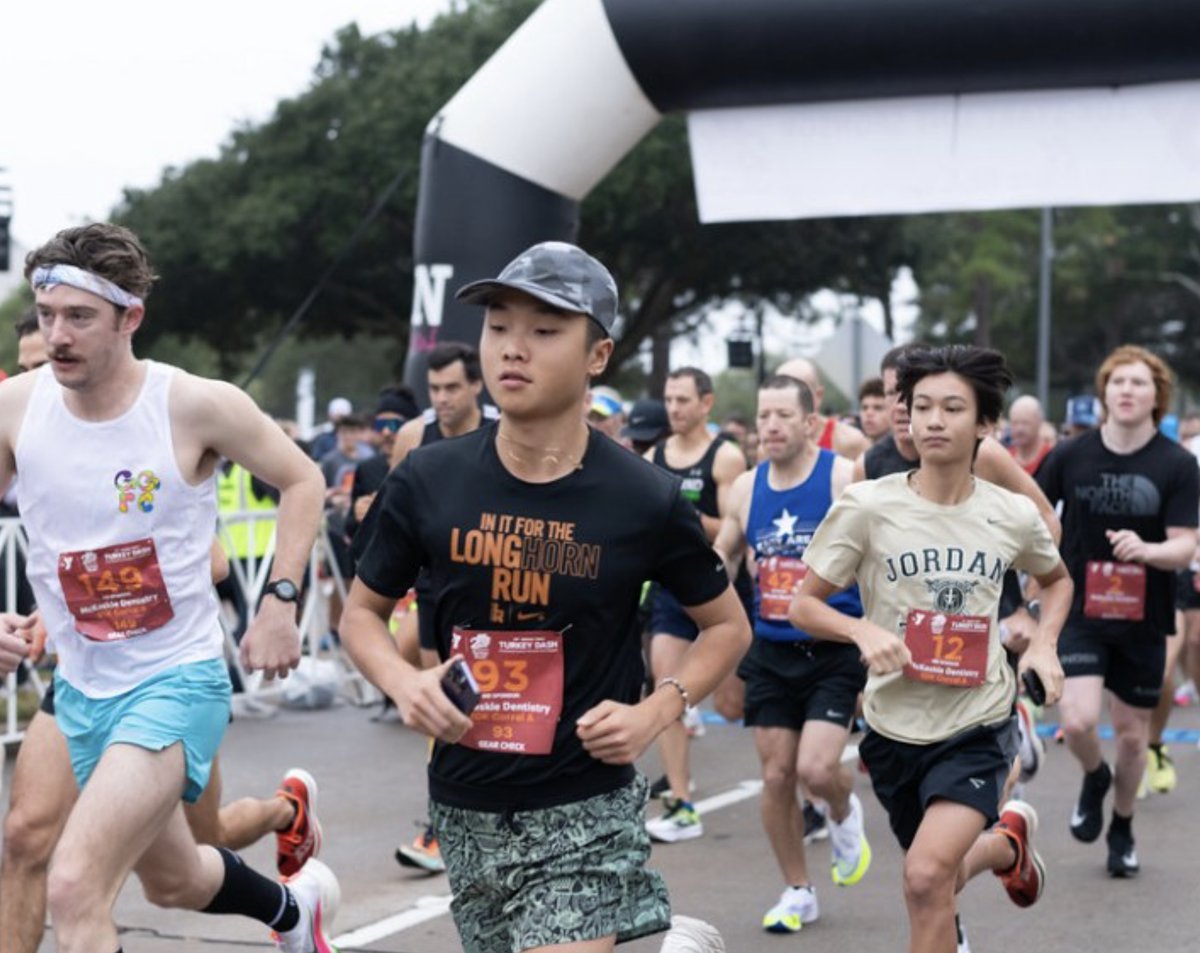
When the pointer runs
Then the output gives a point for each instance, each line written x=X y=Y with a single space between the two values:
x=423 y=853
x=1026 y=879
x=302 y=839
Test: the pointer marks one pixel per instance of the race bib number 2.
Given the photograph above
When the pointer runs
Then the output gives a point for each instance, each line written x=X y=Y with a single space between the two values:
x=117 y=592
x=947 y=649
x=1115 y=591
x=520 y=677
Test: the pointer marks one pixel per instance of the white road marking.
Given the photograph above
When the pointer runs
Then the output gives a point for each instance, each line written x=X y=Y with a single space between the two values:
x=426 y=908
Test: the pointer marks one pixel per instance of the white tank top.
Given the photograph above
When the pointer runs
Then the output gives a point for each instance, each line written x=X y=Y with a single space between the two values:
x=118 y=540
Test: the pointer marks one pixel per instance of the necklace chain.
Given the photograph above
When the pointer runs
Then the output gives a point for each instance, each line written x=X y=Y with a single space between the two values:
x=552 y=455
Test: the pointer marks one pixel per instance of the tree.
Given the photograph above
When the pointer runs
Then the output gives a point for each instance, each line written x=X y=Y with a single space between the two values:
x=240 y=239
x=1120 y=275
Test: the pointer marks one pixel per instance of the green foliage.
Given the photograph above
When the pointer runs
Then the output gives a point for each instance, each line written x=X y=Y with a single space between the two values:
x=1121 y=275
x=240 y=239
x=12 y=309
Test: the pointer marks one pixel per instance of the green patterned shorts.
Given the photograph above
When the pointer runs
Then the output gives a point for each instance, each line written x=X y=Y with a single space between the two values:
x=555 y=875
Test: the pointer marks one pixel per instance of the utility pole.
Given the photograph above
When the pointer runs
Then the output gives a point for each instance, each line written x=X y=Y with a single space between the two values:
x=1043 y=334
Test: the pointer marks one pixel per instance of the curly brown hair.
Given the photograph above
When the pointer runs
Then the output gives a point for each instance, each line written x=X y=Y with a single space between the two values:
x=110 y=251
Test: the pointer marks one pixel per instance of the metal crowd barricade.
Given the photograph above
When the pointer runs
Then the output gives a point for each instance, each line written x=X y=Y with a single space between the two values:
x=250 y=574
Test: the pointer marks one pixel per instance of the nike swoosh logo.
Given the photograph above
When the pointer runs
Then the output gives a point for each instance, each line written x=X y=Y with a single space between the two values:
x=1077 y=818
x=992 y=521
x=526 y=616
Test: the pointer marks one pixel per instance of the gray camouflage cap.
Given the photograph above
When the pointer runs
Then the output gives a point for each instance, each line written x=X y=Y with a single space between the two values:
x=559 y=274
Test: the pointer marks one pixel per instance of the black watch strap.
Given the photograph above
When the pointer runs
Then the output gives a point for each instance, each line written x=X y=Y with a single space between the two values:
x=283 y=589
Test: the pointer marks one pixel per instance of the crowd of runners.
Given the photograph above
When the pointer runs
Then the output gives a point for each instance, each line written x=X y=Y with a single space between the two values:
x=549 y=584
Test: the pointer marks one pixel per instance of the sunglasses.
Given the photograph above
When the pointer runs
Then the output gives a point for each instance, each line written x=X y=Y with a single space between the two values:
x=386 y=424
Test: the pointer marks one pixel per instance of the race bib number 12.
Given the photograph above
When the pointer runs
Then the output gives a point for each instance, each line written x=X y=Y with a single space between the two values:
x=947 y=649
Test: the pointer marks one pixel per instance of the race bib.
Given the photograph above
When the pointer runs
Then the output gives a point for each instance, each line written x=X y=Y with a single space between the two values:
x=1115 y=591
x=947 y=649
x=520 y=677
x=117 y=592
x=778 y=577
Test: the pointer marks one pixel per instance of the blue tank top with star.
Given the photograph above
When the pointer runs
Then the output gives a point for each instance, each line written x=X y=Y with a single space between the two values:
x=779 y=526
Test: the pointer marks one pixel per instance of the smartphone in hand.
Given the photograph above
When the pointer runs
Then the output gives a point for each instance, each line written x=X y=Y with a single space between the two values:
x=460 y=687
x=1034 y=687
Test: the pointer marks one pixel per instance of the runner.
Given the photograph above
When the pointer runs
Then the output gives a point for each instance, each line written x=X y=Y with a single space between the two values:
x=1028 y=447
x=801 y=694
x=1129 y=498
x=897 y=453
x=538 y=534
x=873 y=409
x=929 y=550
x=44 y=791
x=455 y=382
x=829 y=434
x=141 y=689
x=706 y=468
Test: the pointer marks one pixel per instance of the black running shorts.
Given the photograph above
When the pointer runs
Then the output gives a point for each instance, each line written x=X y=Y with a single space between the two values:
x=789 y=683
x=1133 y=671
x=968 y=768
x=1186 y=596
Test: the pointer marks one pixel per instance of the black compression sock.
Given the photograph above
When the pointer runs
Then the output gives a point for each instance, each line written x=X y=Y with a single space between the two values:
x=249 y=893
x=1121 y=825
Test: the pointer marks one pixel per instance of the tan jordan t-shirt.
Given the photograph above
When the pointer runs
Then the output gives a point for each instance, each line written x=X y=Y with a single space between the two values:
x=942 y=568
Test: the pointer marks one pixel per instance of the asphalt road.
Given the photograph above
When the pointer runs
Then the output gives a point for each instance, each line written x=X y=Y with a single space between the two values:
x=372 y=788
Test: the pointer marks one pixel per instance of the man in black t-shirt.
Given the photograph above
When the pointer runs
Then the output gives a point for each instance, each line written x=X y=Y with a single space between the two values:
x=537 y=535
x=1129 y=499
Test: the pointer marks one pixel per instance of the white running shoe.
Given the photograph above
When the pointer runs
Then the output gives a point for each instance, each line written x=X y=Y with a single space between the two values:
x=693 y=721
x=1031 y=750
x=851 y=853
x=318 y=895
x=796 y=907
x=689 y=935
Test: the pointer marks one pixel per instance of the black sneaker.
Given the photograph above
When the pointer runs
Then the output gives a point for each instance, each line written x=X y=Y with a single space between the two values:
x=660 y=787
x=1087 y=821
x=1122 y=856
x=816 y=824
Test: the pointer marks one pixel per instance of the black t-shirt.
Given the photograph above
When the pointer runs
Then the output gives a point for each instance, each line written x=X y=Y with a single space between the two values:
x=884 y=458
x=1146 y=491
x=594 y=536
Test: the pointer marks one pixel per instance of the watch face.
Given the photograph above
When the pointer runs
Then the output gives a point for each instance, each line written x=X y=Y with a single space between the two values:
x=285 y=589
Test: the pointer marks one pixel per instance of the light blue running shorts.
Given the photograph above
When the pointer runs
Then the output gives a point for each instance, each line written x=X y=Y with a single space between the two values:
x=187 y=704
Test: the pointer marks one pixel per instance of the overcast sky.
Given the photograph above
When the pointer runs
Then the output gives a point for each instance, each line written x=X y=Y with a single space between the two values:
x=98 y=96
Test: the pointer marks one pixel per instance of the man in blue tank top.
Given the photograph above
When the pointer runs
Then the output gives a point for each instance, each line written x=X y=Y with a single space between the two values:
x=801 y=694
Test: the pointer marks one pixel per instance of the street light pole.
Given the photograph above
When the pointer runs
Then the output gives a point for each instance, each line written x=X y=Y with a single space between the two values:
x=1043 y=334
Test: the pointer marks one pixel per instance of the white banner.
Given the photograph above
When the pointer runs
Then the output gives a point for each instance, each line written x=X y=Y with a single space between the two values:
x=941 y=153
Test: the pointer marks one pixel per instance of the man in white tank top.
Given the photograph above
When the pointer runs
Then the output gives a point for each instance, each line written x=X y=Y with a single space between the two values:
x=114 y=462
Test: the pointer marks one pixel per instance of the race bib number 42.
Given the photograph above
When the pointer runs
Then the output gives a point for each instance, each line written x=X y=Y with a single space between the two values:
x=1115 y=591
x=520 y=677
x=116 y=592
x=778 y=577
x=947 y=649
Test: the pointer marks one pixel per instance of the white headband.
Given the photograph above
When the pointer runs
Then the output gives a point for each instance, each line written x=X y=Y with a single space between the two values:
x=47 y=276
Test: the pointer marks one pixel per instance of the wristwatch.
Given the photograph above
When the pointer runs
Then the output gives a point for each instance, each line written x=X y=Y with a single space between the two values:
x=282 y=589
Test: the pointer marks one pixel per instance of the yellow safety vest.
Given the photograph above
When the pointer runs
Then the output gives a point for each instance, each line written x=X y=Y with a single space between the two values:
x=234 y=496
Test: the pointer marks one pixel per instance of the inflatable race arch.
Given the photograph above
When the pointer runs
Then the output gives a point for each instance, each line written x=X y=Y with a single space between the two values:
x=805 y=108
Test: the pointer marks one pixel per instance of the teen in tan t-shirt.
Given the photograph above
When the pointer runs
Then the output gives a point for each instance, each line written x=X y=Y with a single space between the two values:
x=929 y=550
